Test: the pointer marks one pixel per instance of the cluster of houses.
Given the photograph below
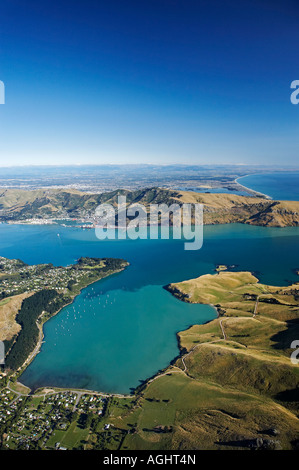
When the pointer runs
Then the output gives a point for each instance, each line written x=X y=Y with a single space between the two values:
x=19 y=279
x=23 y=423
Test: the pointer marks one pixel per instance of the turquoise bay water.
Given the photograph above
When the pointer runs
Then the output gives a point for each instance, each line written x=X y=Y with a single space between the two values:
x=122 y=329
x=279 y=186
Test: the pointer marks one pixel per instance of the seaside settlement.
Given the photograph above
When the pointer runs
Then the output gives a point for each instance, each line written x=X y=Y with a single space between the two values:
x=29 y=296
x=232 y=386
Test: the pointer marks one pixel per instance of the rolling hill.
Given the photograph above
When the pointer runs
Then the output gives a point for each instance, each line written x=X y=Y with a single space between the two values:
x=218 y=208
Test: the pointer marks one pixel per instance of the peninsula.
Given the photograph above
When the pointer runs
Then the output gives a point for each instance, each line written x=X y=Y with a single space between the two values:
x=31 y=294
x=232 y=386
x=240 y=362
x=50 y=205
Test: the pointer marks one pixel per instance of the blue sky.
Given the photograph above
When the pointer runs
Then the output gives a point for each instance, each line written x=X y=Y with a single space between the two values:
x=156 y=81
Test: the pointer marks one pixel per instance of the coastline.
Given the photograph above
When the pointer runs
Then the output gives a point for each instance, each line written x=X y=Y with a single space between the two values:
x=182 y=351
x=146 y=381
x=156 y=375
x=40 y=326
x=136 y=390
x=180 y=374
x=258 y=194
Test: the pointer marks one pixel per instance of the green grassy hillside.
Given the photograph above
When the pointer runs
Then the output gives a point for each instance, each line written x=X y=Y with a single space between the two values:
x=234 y=385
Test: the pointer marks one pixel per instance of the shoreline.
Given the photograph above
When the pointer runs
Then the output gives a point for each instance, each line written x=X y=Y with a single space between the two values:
x=87 y=224
x=38 y=346
x=182 y=352
x=259 y=194
x=17 y=374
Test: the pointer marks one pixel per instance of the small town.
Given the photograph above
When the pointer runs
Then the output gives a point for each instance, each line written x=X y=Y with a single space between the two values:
x=49 y=418
x=17 y=277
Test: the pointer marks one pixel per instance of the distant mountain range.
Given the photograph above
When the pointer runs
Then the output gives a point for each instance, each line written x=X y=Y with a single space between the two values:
x=16 y=204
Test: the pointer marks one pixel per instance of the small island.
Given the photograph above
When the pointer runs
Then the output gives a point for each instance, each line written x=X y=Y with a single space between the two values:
x=224 y=267
x=221 y=267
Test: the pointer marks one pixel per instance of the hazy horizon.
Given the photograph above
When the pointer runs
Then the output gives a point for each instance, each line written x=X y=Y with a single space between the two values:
x=140 y=164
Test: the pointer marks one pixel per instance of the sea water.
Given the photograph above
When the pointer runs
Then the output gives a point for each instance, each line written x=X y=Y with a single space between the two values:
x=121 y=330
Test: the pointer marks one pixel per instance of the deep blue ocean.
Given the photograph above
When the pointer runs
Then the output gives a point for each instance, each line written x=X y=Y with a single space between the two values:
x=279 y=186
